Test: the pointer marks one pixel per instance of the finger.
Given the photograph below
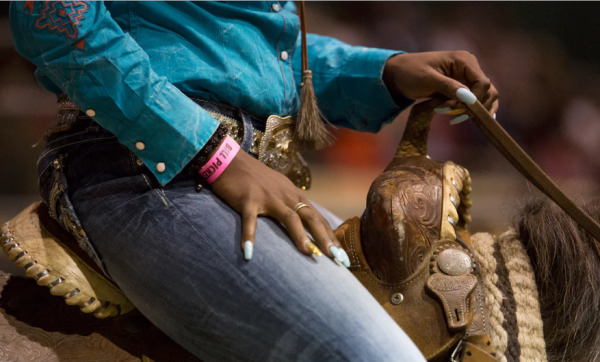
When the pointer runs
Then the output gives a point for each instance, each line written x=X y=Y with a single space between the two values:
x=314 y=224
x=292 y=222
x=332 y=247
x=489 y=104
x=493 y=101
x=476 y=80
x=450 y=107
x=495 y=107
x=329 y=244
x=249 y=217
x=453 y=89
x=328 y=229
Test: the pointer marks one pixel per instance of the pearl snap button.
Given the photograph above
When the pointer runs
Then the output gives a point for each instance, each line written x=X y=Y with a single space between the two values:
x=90 y=112
x=161 y=167
x=275 y=7
x=140 y=145
x=284 y=55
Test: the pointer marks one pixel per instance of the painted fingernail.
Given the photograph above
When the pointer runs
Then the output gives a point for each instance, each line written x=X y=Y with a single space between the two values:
x=340 y=255
x=466 y=96
x=336 y=252
x=313 y=248
x=442 y=110
x=494 y=115
x=459 y=119
x=454 y=112
x=346 y=260
x=248 y=249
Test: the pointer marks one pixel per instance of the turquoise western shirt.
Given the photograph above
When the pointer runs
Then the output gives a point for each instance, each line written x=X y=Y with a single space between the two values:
x=128 y=65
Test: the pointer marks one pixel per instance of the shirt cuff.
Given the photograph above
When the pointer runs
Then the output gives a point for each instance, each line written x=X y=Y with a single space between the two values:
x=372 y=95
x=166 y=147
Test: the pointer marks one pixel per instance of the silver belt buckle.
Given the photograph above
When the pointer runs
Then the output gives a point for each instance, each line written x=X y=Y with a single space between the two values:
x=274 y=147
x=277 y=150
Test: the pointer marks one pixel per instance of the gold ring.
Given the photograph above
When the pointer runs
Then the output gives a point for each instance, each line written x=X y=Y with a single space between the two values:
x=299 y=205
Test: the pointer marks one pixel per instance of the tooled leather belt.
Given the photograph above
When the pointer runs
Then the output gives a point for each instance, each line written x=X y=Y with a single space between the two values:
x=274 y=146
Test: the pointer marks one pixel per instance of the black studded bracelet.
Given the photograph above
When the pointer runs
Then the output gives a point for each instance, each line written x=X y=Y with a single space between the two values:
x=204 y=155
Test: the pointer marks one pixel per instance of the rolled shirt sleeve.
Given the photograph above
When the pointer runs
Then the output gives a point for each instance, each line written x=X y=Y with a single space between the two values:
x=84 y=52
x=348 y=82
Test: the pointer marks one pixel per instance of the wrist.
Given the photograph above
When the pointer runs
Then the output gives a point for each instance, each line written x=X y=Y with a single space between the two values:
x=389 y=78
x=209 y=148
x=221 y=158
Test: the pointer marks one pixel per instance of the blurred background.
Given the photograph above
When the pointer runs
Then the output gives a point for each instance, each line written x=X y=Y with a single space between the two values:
x=544 y=58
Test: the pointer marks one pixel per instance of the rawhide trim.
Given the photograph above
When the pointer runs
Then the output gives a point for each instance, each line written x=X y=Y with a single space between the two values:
x=456 y=200
x=53 y=265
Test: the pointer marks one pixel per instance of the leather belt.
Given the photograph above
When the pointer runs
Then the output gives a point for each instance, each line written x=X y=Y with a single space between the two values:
x=274 y=146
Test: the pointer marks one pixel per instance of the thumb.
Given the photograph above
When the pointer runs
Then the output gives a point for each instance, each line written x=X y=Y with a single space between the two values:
x=454 y=89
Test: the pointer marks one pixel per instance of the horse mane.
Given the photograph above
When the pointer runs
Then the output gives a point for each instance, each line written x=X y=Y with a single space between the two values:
x=567 y=271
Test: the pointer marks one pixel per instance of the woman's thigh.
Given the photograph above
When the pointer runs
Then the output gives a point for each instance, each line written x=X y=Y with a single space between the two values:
x=176 y=253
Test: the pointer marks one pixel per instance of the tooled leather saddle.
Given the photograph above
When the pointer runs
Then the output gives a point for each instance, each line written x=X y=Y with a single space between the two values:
x=411 y=249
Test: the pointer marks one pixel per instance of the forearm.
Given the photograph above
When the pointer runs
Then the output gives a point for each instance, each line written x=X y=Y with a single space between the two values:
x=348 y=83
x=106 y=73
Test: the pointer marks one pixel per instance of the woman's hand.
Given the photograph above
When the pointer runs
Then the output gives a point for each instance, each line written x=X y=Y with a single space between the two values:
x=423 y=75
x=253 y=189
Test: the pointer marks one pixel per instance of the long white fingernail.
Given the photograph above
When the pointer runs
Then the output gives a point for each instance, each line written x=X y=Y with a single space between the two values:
x=494 y=115
x=442 y=110
x=337 y=254
x=459 y=119
x=346 y=261
x=248 y=249
x=466 y=96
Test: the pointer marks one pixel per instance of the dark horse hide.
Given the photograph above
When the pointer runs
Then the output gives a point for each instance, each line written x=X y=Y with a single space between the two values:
x=542 y=283
x=567 y=274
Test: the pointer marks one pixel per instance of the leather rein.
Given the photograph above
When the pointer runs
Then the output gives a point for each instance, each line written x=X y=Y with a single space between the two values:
x=528 y=168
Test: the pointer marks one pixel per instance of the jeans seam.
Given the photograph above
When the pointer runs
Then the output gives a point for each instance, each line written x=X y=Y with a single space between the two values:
x=241 y=275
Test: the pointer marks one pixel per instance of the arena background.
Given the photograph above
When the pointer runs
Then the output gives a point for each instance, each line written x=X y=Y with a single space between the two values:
x=544 y=58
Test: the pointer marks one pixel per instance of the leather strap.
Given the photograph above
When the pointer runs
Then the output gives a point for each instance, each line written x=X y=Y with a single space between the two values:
x=477 y=349
x=528 y=168
x=303 y=31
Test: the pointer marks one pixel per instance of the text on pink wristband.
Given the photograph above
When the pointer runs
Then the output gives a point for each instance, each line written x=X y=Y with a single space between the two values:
x=220 y=160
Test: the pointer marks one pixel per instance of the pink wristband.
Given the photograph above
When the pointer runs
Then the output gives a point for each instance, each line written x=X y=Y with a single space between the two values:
x=220 y=160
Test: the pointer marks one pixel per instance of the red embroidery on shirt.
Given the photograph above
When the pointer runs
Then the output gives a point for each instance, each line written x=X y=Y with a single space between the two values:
x=29 y=6
x=80 y=44
x=62 y=17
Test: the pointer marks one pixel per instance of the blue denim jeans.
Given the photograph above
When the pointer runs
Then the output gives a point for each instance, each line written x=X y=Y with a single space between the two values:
x=176 y=254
